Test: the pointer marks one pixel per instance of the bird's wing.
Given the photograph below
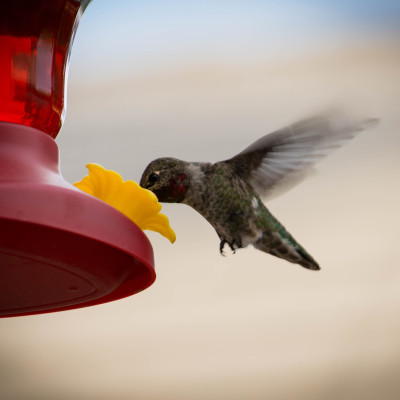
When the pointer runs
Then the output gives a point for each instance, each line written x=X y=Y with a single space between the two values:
x=281 y=159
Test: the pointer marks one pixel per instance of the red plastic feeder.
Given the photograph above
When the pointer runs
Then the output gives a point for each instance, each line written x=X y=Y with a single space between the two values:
x=59 y=248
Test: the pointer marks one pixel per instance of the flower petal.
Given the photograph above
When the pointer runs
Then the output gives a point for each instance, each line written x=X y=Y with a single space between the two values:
x=138 y=204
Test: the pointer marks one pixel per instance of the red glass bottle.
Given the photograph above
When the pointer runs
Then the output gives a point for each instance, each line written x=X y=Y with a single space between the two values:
x=35 y=40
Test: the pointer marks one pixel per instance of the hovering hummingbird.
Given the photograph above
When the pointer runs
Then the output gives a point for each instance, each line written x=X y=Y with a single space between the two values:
x=228 y=193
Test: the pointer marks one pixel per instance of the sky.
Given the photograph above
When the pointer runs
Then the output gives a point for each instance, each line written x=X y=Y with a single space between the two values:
x=201 y=81
x=137 y=35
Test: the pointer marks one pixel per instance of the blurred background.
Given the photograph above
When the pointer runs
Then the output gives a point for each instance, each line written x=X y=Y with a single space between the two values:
x=200 y=81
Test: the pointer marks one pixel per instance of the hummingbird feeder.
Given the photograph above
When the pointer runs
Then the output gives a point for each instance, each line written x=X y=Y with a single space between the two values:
x=60 y=248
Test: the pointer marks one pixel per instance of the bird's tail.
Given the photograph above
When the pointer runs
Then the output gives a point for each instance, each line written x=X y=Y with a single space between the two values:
x=276 y=240
x=288 y=249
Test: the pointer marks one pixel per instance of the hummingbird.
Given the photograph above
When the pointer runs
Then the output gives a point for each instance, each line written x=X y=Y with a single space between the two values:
x=229 y=194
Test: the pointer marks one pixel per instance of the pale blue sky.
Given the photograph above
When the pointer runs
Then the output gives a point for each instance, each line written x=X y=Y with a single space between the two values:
x=125 y=35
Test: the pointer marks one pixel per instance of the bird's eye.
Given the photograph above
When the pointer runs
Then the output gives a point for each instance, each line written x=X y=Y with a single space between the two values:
x=152 y=179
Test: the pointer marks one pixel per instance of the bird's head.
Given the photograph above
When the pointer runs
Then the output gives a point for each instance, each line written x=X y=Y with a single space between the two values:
x=167 y=179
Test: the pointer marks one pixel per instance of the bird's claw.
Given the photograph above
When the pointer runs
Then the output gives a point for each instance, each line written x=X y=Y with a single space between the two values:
x=222 y=246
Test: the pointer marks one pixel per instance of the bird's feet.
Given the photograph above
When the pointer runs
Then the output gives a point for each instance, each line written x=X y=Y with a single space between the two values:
x=233 y=246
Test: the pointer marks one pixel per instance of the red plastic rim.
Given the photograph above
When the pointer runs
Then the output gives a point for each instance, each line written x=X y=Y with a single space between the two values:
x=60 y=248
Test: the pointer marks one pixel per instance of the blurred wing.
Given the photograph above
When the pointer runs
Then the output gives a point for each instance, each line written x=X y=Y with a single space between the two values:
x=281 y=159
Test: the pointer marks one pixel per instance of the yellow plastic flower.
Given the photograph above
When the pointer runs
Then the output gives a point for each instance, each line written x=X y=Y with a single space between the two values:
x=138 y=204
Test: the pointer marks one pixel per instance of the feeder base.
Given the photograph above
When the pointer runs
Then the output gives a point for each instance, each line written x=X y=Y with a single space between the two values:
x=59 y=247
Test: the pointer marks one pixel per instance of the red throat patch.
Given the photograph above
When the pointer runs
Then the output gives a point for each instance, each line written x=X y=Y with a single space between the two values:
x=178 y=187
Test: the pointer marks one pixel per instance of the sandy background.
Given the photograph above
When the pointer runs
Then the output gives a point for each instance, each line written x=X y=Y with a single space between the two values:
x=201 y=82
